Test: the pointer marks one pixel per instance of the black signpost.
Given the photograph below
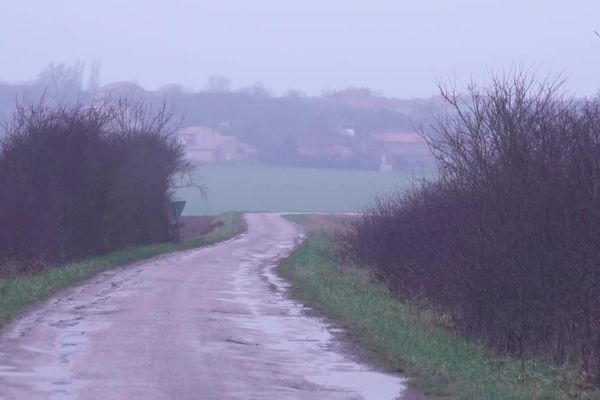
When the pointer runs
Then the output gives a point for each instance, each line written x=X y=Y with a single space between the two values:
x=176 y=208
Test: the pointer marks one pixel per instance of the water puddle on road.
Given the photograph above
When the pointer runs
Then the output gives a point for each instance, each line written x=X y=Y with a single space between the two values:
x=59 y=330
x=287 y=333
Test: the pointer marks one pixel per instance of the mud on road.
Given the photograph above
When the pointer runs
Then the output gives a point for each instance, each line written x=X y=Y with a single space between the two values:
x=210 y=323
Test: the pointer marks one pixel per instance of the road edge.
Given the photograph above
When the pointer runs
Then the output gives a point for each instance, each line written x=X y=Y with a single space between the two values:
x=20 y=294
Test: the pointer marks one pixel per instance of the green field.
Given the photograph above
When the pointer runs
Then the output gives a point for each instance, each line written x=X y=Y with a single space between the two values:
x=274 y=188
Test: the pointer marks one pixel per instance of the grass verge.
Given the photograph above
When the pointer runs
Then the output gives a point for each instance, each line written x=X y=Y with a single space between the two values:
x=18 y=293
x=411 y=339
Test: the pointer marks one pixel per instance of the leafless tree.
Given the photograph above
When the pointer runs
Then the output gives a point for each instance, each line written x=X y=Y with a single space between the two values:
x=61 y=82
x=218 y=84
x=94 y=76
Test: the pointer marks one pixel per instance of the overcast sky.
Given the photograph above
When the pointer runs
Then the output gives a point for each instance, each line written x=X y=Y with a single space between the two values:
x=398 y=47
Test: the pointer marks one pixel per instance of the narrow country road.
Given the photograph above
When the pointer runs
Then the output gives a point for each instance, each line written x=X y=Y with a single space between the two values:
x=210 y=323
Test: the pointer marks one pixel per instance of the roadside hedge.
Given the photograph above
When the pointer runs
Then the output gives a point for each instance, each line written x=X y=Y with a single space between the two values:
x=84 y=179
x=506 y=239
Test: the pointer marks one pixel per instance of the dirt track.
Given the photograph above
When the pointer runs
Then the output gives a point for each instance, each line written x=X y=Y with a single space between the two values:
x=211 y=323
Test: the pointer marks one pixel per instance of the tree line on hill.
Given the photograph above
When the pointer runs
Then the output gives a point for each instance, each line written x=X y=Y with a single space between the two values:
x=266 y=122
x=506 y=239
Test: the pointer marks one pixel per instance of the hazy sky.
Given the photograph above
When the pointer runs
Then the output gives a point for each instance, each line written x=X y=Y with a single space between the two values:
x=398 y=47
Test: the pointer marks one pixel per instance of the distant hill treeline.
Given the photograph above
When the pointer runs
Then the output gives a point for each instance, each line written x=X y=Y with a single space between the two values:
x=269 y=123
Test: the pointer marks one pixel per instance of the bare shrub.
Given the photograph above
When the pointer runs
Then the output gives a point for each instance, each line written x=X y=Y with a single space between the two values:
x=77 y=180
x=507 y=238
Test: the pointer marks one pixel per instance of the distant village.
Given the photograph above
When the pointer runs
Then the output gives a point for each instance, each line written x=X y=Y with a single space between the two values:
x=383 y=150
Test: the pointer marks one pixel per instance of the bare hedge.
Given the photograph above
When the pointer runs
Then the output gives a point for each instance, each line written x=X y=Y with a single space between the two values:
x=507 y=238
x=85 y=179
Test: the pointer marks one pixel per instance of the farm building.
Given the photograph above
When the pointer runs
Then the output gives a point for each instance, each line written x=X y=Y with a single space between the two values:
x=205 y=145
x=323 y=147
x=390 y=149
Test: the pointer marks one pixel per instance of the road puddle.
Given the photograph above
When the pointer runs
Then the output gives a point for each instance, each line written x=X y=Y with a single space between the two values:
x=309 y=344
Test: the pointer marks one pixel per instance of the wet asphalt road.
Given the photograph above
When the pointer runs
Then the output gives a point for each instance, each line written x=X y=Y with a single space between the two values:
x=210 y=323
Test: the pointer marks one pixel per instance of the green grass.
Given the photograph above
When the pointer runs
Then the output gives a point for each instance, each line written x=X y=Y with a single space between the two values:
x=404 y=337
x=255 y=187
x=18 y=293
